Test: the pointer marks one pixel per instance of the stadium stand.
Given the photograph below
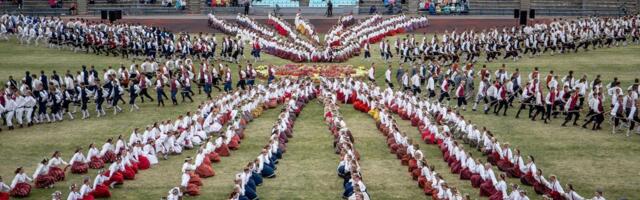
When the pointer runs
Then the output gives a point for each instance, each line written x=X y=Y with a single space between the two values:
x=555 y=7
x=493 y=7
x=280 y=3
x=440 y=7
x=582 y=7
x=36 y=7
x=323 y=3
x=135 y=7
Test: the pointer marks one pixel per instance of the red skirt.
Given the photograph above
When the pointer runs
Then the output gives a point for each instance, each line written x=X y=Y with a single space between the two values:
x=514 y=172
x=465 y=174
x=44 y=181
x=79 y=168
x=4 y=196
x=413 y=164
x=234 y=144
x=540 y=189
x=193 y=190
x=129 y=173
x=476 y=181
x=116 y=178
x=143 y=163
x=427 y=189
x=101 y=191
x=528 y=179
x=195 y=179
x=555 y=195
x=21 y=190
x=96 y=163
x=205 y=171
x=416 y=173
x=487 y=189
x=57 y=173
x=223 y=150
x=456 y=167
x=422 y=181
x=496 y=196
x=88 y=197
x=493 y=158
x=214 y=157
x=109 y=157
x=504 y=165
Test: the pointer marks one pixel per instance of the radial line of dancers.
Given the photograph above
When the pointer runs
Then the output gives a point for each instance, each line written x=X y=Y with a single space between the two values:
x=194 y=170
x=164 y=138
x=264 y=166
x=343 y=144
x=298 y=50
x=410 y=107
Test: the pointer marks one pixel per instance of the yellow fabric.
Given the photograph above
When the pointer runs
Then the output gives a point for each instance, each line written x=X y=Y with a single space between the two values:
x=374 y=113
x=257 y=112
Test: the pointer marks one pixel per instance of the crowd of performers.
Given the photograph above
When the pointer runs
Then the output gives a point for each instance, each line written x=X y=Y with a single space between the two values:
x=559 y=36
x=119 y=160
x=264 y=166
x=441 y=125
x=52 y=97
x=343 y=42
x=569 y=94
x=343 y=144
x=125 y=40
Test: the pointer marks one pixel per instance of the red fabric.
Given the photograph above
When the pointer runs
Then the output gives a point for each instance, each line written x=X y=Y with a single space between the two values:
x=57 y=173
x=528 y=179
x=422 y=181
x=493 y=158
x=223 y=150
x=476 y=181
x=205 y=171
x=79 y=168
x=101 y=191
x=465 y=174
x=143 y=163
x=504 y=164
x=4 y=196
x=195 y=179
x=88 y=197
x=193 y=190
x=117 y=178
x=44 y=181
x=96 y=163
x=515 y=171
x=487 y=189
x=214 y=157
x=496 y=196
x=129 y=173
x=109 y=157
x=21 y=190
x=234 y=144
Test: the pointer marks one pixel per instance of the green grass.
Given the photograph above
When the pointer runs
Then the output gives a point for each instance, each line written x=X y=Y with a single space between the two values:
x=587 y=159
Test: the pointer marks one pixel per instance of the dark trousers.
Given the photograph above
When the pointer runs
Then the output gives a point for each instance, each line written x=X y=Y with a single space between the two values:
x=143 y=93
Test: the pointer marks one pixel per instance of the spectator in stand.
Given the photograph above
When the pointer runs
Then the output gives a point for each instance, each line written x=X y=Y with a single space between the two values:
x=167 y=3
x=372 y=9
x=73 y=10
x=247 y=4
x=329 y=8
